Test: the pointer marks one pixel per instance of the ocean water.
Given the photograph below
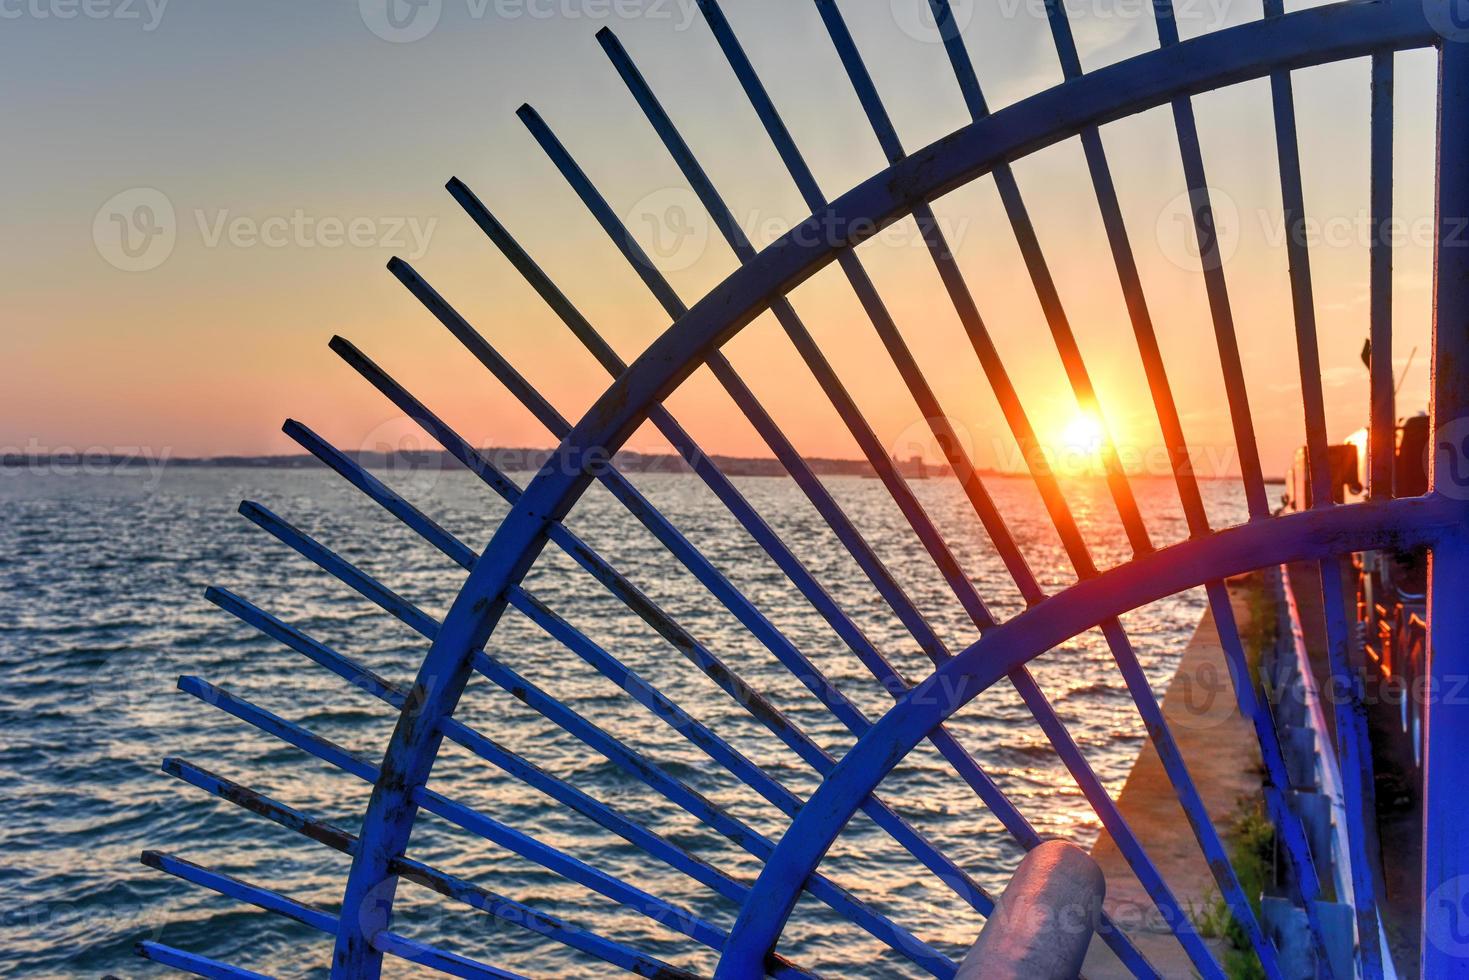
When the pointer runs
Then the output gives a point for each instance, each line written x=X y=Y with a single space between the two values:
x=102 y=578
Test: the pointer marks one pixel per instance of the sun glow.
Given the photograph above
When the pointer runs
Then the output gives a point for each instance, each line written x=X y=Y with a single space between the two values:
x=1083 y=436
x=1075 y=448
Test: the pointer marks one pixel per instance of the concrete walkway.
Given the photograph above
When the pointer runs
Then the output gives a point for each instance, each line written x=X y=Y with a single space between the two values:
x=1224 y=759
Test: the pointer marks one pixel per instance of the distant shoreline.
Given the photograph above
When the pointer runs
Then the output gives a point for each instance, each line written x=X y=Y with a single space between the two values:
x=509 y=459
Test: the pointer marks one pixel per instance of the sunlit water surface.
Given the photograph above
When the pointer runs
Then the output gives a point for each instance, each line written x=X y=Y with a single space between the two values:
x=102 y=577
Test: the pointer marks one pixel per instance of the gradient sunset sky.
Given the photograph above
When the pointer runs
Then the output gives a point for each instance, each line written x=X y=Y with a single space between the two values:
x=263 y=114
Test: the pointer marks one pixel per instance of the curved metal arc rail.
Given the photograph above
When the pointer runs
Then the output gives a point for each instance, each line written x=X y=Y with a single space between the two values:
x=1311 y=535
x=1271 y=47
x=1243 y=52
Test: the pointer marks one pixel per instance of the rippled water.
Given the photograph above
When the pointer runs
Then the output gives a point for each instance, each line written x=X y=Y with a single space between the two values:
x=102 y=577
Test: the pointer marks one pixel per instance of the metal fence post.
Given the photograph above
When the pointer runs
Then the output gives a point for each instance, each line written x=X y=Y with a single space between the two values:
x=1445 y=950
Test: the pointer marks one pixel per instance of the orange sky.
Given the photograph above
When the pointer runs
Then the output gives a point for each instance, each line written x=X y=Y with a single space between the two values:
x=299 y=152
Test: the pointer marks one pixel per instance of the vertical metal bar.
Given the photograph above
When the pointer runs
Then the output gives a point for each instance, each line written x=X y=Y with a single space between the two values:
x=1381 y=431
x=1446 y=726
x=1120 y=245
x=1212 y=264
x=1353 y=748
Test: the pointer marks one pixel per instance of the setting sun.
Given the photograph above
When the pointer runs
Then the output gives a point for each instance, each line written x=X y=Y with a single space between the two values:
x=1083 y=436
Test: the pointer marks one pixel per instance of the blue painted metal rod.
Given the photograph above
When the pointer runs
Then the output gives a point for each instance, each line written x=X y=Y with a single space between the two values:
x=438 y=959
x=1212 y=263
x=1382 y=429
x=1354 y=751
x=232 y=887
x=551 y=858
x=1127 y=272
x=1256 y=709
x=1445 y=893
x=949 y=872
x=614 y=750
x=199 y=966
x=1168 y=418
x=312 y=828
x=1090 y=785
x=886 y=584
x=489 y=750
x=450 y=886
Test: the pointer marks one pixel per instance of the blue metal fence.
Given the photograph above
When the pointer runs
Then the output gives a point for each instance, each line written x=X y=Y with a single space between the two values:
x=1325 y=532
